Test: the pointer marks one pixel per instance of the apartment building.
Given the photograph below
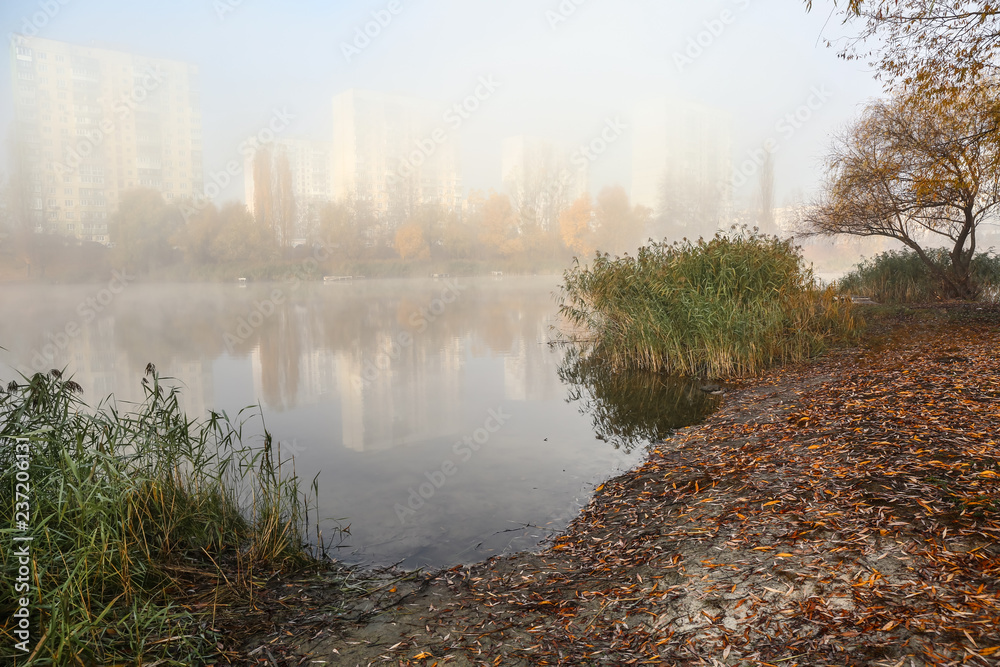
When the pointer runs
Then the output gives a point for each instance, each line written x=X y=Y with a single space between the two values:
x=308 y=161
x=92 y=123
x=540 y=180
x=682 y=166
x=393 y=153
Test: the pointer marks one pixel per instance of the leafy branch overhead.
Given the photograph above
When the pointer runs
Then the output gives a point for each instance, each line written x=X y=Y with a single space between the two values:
x=928 y=43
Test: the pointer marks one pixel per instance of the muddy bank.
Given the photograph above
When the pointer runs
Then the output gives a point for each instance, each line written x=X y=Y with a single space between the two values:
x=842 y=512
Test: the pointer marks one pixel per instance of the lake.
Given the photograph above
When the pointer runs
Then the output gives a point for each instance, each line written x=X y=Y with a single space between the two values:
x=444 y=424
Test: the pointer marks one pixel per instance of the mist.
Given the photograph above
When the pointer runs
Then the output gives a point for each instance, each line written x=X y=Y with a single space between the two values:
x=562 y=70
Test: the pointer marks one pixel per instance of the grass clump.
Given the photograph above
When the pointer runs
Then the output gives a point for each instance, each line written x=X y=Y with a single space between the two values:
x=127 y=511
x=734 y=305
x=899 y=277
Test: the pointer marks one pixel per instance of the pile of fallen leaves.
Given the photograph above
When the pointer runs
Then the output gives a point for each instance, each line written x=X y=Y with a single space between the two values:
x=840 y=513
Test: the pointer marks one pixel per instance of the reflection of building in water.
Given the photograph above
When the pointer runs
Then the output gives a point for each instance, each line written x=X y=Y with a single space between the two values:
x=95 y=360
x=387 y=402
x=529 y=370
x=352 y=400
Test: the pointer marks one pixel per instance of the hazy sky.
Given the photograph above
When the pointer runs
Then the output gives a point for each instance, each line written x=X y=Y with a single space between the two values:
x=561 y=73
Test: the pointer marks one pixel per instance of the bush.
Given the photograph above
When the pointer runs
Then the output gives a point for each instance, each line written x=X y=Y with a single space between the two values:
x=121 y=509
x=902 y=277
x=734 y=305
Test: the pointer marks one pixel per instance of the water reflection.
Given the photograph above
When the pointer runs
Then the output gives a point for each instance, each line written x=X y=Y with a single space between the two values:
x=373 y=385
x=635 y=408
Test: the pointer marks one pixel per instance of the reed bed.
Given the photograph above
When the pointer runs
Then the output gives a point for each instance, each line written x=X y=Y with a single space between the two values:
x=733 y=305
x=900 y=277
x=127 y=506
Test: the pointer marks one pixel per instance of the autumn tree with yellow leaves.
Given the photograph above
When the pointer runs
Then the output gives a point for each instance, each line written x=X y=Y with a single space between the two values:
x=920 y=169
x=410 y=242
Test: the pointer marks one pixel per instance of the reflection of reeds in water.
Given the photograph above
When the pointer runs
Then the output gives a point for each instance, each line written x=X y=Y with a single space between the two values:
x=733 y=305
x=634 y=408
x=131 y=509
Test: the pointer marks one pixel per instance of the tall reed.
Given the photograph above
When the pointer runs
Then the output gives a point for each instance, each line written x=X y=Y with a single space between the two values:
x=124 y=505
x=733 y=305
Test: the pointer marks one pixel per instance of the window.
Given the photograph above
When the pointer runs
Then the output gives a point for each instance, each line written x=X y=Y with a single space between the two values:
x=68 y=191
x=69 y=202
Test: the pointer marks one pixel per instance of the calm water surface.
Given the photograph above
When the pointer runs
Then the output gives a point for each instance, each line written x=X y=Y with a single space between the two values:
x=443 y=424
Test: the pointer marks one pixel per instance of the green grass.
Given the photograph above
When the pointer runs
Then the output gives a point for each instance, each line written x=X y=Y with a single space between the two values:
x=734 y=305
x=900 y=277
x=127 y=506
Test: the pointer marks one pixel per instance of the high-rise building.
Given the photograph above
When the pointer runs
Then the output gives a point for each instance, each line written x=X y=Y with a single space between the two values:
x=539 y=179
x=308 y=160
x=92 y=123
x=682 y=166
x=392 y=154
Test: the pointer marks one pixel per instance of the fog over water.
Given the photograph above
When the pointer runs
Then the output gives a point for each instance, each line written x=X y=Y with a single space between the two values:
x=355 y=215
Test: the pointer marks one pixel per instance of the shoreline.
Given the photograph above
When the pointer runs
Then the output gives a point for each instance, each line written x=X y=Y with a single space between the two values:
x=849 y=544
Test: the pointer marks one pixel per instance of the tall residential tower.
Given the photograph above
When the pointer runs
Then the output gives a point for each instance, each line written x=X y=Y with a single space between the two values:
x=92 y=123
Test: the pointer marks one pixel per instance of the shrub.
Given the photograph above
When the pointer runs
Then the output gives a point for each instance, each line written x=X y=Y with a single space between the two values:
x=736 y=304
x=902 y=277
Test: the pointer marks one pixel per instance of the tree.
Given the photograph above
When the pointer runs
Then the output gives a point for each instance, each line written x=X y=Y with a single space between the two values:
x=688 y=207
x=141 y=230
x=410 y=242
x=340 y=230
x=917 y=168
x=619 y=226
x=499 y=231
x=273 y=198
x=241 y=238
x=765 y=210
x=196 y=236
x=927 y=43
x=574 y=226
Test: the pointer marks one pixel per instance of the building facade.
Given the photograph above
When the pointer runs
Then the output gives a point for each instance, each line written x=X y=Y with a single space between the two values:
x=682 y=167
x=308 y=160
x=540 y=180
x=391 y=154
x=93 y=123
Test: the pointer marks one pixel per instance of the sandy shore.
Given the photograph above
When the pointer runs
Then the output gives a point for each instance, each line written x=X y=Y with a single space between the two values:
x=840 y=512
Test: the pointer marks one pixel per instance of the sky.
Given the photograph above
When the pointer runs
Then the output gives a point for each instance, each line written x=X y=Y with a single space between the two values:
x=561 y=69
